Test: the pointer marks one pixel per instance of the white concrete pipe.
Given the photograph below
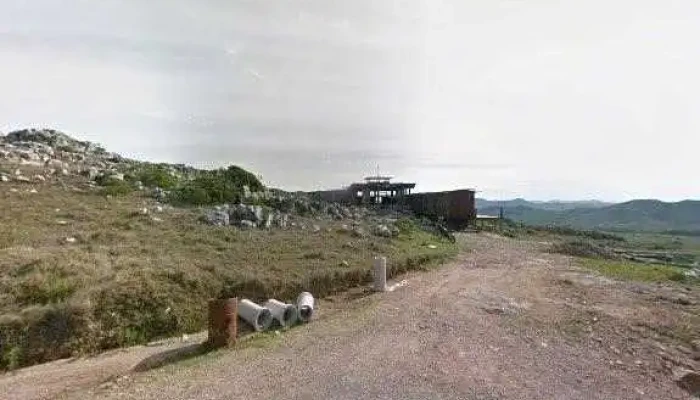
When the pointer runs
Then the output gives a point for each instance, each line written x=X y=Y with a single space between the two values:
x=285 y=314
x=259 y=317
x=380 y=274
x=305 y=306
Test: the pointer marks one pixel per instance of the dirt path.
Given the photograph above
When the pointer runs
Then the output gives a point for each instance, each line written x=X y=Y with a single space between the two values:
x=505 y=321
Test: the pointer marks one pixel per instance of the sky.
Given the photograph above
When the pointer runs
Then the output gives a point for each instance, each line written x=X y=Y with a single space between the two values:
x=539 y=99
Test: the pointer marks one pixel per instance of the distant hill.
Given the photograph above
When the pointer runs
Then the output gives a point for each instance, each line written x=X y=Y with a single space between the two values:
x=637 y=215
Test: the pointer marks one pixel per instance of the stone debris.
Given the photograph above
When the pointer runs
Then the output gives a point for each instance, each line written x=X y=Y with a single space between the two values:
x=688 y=380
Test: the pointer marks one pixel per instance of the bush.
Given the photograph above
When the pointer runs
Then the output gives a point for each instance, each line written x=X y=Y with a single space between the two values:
x=155 y=176
x=216 y=187
x=134 y=312
x=41 y=333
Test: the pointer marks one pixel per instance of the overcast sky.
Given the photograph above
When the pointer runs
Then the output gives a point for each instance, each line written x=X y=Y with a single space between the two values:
x=540 y=99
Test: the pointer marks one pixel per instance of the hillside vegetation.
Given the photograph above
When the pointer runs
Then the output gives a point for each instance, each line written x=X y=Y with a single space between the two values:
x=98 y=252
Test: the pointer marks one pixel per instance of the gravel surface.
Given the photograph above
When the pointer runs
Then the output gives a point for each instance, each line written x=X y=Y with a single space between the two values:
x=496 y=324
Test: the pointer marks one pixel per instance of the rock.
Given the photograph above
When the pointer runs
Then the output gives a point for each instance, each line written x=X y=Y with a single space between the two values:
x=395 y=231
x=283 y=221
x=159 y=194
x=344 y=263
x=70 y=240
x=258 y=213
x=382 y=230
x=92 y=173
x=116 y=176
x=344 y=228
x=695 y=344
x=247 y=224
x=688 y=380
x=18 y=172
x=33 y=191
x=29 y=156
x=217 y=218
x=358 y=232
x=316 y=228
x=4 y=178
x=158 y=209
x=53 y=163
x=65 y=172
x=22 y=179
x=39 y=178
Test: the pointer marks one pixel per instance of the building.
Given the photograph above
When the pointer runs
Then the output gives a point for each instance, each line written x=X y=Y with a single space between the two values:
x=457 y=207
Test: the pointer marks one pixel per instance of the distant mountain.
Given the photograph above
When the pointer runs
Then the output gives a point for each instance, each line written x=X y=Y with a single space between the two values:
x=554 y=205
x=637 y=215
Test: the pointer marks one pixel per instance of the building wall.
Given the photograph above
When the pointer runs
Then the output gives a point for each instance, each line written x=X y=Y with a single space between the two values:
x=457 y=207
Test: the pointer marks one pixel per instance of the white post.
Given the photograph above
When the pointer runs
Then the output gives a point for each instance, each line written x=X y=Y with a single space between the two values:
x=380 y=274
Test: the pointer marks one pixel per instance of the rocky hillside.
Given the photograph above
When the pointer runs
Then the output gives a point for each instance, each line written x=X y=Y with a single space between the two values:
x=98 y=251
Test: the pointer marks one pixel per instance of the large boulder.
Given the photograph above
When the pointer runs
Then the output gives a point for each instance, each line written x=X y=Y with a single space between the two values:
x=217 y=217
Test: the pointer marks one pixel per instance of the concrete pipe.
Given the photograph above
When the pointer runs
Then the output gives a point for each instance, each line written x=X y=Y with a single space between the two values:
x=380 y=274
x=258 y=317
x=305 y=305
x=285 y=314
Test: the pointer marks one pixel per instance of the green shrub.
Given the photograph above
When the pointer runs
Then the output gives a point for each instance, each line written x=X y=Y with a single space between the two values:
x=155 y=175
x=216 y=187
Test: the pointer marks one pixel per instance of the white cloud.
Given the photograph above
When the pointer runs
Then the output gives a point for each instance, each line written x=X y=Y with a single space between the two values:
x=539 y=99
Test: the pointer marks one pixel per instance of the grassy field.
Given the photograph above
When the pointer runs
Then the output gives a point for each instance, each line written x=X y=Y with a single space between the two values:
x=129 y=277
x=630 y=271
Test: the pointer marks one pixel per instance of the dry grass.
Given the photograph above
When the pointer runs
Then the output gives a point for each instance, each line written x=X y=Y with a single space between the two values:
x=128 y=279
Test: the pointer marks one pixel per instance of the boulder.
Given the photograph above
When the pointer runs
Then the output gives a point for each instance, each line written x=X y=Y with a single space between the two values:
x=382 y=230
x=247 y=224
x=217 y=218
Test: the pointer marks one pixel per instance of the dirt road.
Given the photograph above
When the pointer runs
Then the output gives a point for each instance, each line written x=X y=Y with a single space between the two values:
x=505 y=321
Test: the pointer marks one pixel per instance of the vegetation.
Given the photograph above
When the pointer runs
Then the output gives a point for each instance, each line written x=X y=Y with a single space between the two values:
x=129 y=279
x=154 y=175
x=113 y=187
x=582 y=248
x=631 y=271
x=216 y=187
